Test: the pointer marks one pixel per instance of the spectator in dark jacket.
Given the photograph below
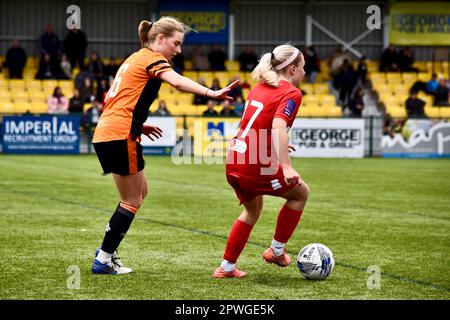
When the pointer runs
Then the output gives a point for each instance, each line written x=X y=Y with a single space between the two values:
x=415 y=106
x=47 y=68
x=441 y=96
x=111 y=68
x=345 y=81
x=16 y=59
x=389 y=59
x=312 y=63
x=75 y=45
x=357 y=103
x=95 y=65
x=50 y=44
x=248 y=59
x=217 y=58
x=76 y=103
x=210 y=112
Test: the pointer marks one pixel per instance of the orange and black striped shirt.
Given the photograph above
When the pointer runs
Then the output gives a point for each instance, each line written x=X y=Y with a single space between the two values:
x=128 y=101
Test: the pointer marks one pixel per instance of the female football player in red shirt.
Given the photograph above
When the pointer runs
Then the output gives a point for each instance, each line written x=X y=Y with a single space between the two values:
x=258 y=158
x=118 y=132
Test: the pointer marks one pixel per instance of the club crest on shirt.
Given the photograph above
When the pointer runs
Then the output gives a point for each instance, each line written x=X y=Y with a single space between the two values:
x=289 y=108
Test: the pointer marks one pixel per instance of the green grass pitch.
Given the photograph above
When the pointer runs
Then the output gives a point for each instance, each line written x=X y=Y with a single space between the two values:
x=390 y=213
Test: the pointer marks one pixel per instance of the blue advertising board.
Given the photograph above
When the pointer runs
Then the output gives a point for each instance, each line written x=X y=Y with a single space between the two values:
x=57 y=134
x=208 y=18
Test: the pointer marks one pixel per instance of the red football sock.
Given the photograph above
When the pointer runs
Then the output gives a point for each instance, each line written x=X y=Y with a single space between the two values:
x=239 y=234
x=286 y=223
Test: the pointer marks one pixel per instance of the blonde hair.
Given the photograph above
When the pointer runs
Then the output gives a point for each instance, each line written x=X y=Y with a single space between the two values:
x=267 y=71
x=165 y=25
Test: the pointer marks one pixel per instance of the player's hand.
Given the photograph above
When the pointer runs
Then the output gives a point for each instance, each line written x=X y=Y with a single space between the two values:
x=291 y=148
x=291 y=176
x=223 y=93
x=152 y=132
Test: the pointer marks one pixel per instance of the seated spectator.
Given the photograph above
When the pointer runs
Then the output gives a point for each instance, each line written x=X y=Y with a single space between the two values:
x=111 y=68
x=356 y=105
x=389 y=59
x=248 y=59
x=237 y=91
x=312 y=63
x=428 y=87
x=47 y=69
x=95 y=65
x=239 y=106
x=66 y=67
x=162 y=109
x=226 y=110
x=76 y=102
x=361 y=70
x=92 y=114
x=200 y=99
x=217 y=58
x=16 y=59
x=57 y=102
x=199 y=59
x=178 y=63
x=87 y=91
x=414 y=106
x=216 y=86
x=210 y=112
x=406 y=60
x=102 y=89
x=441 y=96
x=81 y=76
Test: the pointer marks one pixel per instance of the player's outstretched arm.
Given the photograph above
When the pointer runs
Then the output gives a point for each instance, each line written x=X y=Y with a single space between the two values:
x=187 y=85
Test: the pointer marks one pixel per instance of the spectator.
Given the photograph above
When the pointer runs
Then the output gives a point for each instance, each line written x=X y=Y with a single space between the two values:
x=361 y=70
x=200 y=99
x=389 y=59
x=16 y=59
x=57 y=102
x=406 y=60
x=75 y=45
x=312 y=63
x=66 y=67
x=87 y=91
x=336 y=61
x=248 y=59
x=216 y=86
x=415 y=106
x=345 y=82
x=217 y=58
x=428 y=87
x=47 y=68
x=226 y=110
x=50 y=44
x=95 y=65
x=81 y=76
x=102 y=90
x=76 y=103
x=239 y=106
x=111 y=68
x=441 y=96
x=237 y=91
x=178 y=63
x=199 y=59
x=162 y=109
x=210 y=112
x=356 y=105
x=92 y=114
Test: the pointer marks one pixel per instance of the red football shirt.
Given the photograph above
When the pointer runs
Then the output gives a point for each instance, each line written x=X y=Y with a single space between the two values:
x=252 y=149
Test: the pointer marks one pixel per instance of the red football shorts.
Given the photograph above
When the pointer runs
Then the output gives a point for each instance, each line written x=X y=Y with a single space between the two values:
x=247 y=188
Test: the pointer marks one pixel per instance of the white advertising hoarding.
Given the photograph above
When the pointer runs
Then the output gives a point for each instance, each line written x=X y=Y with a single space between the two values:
x=169 y=136
x=328 y=138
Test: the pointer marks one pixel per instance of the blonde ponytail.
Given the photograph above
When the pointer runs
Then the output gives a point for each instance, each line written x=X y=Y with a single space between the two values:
x=267 y=71
x=143 y=30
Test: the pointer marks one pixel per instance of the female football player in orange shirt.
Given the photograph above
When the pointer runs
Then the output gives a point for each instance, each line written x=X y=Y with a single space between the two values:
x=117 y=135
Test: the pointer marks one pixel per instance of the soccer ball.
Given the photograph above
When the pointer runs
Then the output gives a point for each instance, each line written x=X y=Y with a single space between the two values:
x=315 y=261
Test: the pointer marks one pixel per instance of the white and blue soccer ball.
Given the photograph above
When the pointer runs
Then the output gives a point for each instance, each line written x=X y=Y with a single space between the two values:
x=315 y=261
